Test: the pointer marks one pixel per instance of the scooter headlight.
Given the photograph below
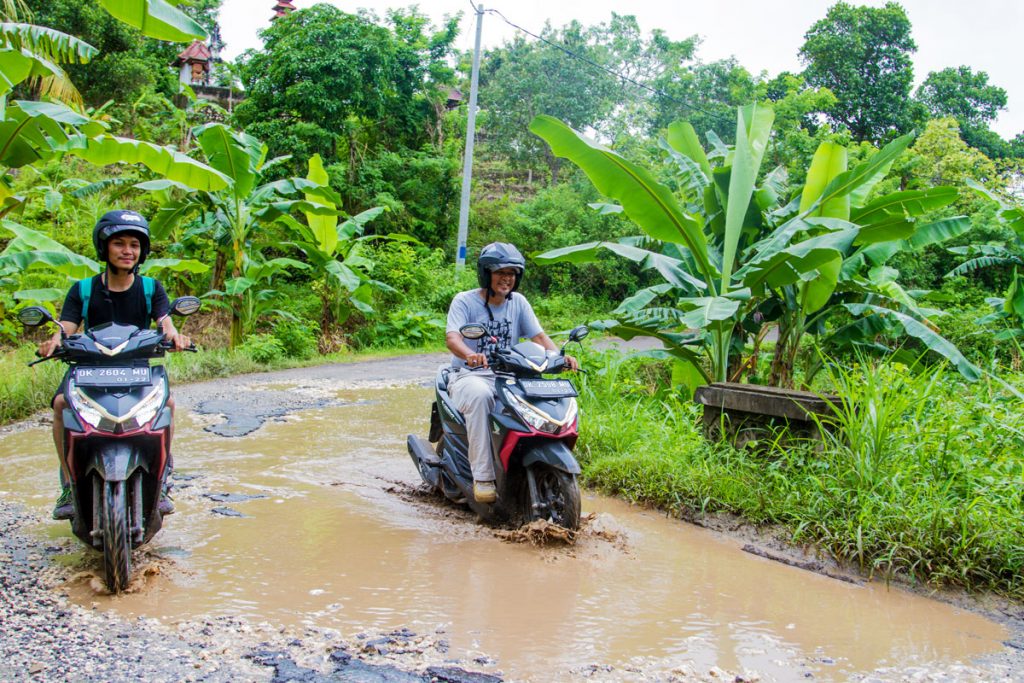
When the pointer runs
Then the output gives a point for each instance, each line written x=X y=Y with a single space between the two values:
x=98 y=416
x=538 y=419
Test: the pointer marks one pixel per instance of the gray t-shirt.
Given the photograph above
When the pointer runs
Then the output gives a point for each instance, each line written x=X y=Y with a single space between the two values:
x=513 y=320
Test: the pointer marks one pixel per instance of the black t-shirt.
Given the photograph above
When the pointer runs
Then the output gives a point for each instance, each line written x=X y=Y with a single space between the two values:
x=126 y=308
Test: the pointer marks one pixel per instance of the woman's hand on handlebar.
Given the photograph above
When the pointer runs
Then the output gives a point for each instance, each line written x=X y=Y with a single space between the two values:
x=177 y=341
x=48 y=347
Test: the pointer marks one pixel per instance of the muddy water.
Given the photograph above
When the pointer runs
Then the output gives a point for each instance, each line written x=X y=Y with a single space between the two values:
x=325 y=529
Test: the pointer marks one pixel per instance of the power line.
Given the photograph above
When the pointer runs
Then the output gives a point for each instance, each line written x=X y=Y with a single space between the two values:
x=611 y=72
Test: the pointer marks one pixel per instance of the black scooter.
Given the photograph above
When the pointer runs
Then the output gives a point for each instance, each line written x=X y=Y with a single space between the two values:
x=533 y=433
x=116 y=434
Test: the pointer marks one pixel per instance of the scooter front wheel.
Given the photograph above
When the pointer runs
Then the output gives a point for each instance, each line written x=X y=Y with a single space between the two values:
x=558 y=497
x=117 y=547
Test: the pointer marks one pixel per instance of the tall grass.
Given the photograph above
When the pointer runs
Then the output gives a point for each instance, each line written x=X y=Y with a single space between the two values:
x=924 y=477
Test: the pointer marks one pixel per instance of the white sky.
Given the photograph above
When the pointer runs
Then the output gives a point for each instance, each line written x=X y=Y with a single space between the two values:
x=762 y=35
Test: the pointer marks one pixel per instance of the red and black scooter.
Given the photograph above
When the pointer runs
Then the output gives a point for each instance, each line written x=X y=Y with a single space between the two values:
x=533 y=433
x=116 y=434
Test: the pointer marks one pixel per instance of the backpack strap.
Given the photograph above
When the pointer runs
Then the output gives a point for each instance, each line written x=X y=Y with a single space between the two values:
x=84 y=291
x=148 y=287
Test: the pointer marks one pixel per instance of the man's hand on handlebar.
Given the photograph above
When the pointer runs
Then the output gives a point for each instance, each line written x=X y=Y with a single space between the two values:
x=476 y=360
x=572 y=363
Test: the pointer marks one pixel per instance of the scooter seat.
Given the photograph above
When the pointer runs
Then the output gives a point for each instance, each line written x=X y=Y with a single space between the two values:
x=442 y=377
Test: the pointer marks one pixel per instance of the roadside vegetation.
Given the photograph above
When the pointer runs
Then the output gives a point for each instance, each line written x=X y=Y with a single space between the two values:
x=816 y=230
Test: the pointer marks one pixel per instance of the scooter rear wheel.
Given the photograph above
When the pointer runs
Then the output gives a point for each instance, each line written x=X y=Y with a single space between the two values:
x=558 y=497
x=117 y=547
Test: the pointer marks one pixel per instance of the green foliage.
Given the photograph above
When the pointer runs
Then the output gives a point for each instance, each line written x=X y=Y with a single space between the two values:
x=927 y=486
x=419 y=188
x=127 y=65
x=298 y=339
x=405 y=328
x=525 y=78
x=263 y=348
x=327 y=76
x=862 y=54
x=962 y=94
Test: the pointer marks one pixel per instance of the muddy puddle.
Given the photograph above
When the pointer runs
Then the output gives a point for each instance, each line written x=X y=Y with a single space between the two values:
x=315 y=519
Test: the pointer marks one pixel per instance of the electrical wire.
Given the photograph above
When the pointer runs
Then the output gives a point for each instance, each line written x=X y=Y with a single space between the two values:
x=612 y=72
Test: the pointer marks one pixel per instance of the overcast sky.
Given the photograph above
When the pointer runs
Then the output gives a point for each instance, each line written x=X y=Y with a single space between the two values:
x=763 y=36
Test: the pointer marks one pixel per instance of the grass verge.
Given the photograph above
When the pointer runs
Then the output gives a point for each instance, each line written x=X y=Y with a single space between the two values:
x=925 y=481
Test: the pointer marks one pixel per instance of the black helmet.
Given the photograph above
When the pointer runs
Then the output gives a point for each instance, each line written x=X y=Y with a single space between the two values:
x=117 y=222
x=495 y=256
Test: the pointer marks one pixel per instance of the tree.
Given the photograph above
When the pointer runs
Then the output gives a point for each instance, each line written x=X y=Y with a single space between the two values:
x=523 y=79
x=706 y=94
x=972 y=101
x=862 y=54
x=327 y=80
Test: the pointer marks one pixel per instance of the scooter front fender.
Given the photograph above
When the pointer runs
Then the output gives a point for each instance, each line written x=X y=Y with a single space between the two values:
x=553 y=453
x=115 y=460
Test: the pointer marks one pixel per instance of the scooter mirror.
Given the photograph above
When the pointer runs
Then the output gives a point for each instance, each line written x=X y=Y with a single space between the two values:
x=472 y=331
x=34 y=316
x=186 y=305
x=577 y=333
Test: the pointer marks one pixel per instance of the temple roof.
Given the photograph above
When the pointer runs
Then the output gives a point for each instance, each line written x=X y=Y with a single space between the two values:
x=198 y=51
x=283 y=7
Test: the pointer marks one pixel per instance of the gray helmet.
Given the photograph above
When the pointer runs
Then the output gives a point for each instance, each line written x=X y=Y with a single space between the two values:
x=119 y=222
x=498 y=255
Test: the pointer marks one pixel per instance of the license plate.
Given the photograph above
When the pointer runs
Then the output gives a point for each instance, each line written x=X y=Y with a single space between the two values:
x=548 y=388
x=111 y=376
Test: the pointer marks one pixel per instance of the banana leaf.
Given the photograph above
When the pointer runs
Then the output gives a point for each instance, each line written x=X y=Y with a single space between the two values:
x=163 y=161
x=644 y=200
x=156 y=19
x=670 y=268
x=323 y=228
x=918 y=330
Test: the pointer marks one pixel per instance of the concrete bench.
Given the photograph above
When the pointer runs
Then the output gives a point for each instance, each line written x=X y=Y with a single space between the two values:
x=749 y=412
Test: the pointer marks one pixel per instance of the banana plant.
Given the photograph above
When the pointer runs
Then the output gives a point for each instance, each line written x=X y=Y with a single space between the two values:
x=1009 y=308
x=237 y=215
x=704 y=246
x=857 y=280
x=336 y=252
x=734 y=254
x=36 y=131
x=249 y=296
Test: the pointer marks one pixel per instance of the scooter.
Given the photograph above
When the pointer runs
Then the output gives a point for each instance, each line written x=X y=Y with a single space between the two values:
x=116 y=434
x=533 y=433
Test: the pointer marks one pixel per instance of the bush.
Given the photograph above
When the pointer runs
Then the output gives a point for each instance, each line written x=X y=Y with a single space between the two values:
x=298 y=339
x=404 y=328
x=263 y=348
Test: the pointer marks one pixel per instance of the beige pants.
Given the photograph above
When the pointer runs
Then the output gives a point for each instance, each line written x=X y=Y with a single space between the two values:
x=473 y=394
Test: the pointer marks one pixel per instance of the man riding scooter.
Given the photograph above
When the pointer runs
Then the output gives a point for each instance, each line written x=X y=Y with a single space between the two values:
x=119 y=295
x=508 y=317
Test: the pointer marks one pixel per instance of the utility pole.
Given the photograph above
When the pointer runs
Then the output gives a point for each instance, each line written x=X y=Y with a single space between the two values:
x=467 y=164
